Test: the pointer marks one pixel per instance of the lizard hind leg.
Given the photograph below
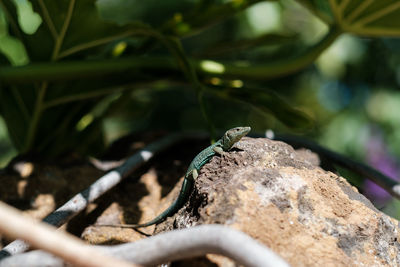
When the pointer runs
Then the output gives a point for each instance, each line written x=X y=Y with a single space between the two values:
x=194 y=174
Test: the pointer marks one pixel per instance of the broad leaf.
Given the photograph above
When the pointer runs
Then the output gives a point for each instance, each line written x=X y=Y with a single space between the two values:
x=68 y=26
x=268 y=101
x=361 y=17
x=15 y=108
x=368 y=17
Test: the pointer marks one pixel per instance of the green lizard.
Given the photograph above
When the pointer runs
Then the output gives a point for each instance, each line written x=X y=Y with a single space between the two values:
x=224 y=144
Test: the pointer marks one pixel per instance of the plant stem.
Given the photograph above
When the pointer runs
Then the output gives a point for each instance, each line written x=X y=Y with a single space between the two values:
x=88 y=69
x=72 y=70
x=60 y=37
x=37 y=111
x=46 y=17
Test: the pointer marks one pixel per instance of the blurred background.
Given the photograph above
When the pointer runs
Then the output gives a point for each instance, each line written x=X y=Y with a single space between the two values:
x=76 y=76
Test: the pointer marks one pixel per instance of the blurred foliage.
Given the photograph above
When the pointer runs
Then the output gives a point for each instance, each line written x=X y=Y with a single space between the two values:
x=75 y=75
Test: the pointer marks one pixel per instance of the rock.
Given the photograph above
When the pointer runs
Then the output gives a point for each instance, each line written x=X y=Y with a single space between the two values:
x=309 y=216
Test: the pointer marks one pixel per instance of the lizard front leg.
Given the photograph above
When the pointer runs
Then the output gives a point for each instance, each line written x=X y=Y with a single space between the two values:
x=218 y=150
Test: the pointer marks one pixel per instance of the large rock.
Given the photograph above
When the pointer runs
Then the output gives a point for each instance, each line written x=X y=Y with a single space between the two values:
x=309 y=216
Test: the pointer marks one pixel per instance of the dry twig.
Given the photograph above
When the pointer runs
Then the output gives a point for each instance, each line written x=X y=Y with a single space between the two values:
x=175 y=245
x=42 y=236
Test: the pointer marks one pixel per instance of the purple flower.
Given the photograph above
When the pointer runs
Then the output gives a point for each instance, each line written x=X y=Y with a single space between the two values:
x=379 y=158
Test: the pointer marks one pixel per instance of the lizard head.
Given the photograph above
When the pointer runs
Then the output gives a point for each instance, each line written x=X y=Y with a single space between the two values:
x=233 y=135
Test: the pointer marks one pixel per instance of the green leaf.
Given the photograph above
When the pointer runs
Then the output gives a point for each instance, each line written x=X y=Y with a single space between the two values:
x=28 y=20
x=268 y=101
x=10 y=47
x=361 y=17
x=368 y=17
x=15 y=111
x=68 y=27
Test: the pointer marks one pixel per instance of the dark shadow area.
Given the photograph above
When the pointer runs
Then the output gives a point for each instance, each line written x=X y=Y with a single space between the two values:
x=9 y=181
x=126 y=195
x=170 y=165
x=176 y=161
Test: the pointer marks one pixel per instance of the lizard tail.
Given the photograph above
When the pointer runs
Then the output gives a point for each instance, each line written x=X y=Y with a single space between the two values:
x=172 y=209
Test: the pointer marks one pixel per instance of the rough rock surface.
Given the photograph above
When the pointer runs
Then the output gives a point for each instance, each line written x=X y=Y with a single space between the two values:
x=307 y=215
x=280 y=197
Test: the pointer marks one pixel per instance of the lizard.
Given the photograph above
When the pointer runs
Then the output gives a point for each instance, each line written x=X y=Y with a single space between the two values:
x=224 y=144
